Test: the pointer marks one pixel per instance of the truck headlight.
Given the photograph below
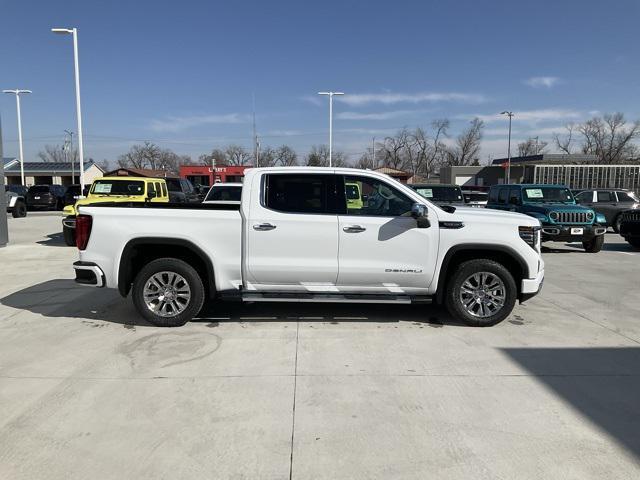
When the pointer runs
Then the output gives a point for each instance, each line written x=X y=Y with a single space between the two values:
x=531 y=236
x=553 y=216
x=590 y=216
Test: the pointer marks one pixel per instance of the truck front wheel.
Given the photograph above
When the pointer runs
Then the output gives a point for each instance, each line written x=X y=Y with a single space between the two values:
x=594 y=245
x=19 y=209
x=168 y=292
x=481 y=293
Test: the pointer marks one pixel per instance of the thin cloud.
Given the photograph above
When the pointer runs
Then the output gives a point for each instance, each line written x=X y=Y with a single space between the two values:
x=530 y=116
x=542 y=82
x=177 y=124
x=376 y=115
x=387 y=98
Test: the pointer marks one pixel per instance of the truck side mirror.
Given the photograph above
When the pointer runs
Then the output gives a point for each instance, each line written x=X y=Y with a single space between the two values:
x=151 y=195
x=421 y=214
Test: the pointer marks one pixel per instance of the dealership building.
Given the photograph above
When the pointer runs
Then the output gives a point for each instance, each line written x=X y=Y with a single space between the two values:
x=205 y=175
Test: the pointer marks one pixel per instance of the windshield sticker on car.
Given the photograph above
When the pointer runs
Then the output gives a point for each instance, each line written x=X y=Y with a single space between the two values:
x=102 y=188
x=426 y=192
x=534 y=193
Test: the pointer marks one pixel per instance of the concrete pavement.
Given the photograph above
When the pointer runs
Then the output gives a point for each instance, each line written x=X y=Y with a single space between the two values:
x=274 y=391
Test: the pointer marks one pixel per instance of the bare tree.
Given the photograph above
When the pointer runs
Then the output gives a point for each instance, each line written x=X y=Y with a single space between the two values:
x=286 y=156
x=532 y=146
x=216 y=154
x=237 y=155
x=564 y=143
x=392 y=147
x=267 y=157
x=319 y=157
x=609 y=138
x=467 y=146
x=430 y=149
x=365 y=162
x=150 y=156
x=56 y=153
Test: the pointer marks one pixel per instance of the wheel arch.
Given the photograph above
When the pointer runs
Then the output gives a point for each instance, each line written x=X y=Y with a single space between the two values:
x=502 y=254
x=140 y=251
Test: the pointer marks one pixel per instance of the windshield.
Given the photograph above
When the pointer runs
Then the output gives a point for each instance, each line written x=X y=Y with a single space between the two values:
x=39 y=189
x=476 y=197
x=547 y=194
x=352 y=191
x=117 y=187
x=227 y=194
x=437 y=193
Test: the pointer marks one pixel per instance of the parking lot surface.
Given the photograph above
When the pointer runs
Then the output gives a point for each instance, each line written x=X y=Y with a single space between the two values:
x=277 y=391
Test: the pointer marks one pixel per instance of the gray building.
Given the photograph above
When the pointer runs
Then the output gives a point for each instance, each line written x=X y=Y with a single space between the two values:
x=48 y=173
x=575 y=171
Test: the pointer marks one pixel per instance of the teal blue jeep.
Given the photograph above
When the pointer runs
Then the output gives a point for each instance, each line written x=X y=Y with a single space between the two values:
x=562 y=220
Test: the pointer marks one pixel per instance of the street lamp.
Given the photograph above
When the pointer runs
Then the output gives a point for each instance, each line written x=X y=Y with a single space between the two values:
x=510 y=115
x=17 y=93
x=74 y=33
x=330 y=95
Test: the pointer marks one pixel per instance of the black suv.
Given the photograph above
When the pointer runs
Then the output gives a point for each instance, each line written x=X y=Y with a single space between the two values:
x=630 y=227
x=440 y=194
x=609 y=202
x=46 y=197
x=182 y=190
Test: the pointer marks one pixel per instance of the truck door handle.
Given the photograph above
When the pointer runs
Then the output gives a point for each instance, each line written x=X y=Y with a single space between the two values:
x=263 y=227
x=353 y=229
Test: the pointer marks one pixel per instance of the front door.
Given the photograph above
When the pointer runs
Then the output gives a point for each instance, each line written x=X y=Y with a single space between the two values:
x=292 y=233
x=381 y=249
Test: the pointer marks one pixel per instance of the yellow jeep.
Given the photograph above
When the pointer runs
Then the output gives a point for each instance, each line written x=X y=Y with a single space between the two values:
x=114 y=189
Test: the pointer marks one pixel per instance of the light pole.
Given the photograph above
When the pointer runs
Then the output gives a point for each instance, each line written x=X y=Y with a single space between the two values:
x=330 y=95
x=510 y=115
x=74 y=32
x=69 y=148
x=17 y=93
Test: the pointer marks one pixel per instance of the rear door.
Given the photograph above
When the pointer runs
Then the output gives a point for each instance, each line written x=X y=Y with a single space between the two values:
x=606 y=203
x=381 y=248
x=292 y=233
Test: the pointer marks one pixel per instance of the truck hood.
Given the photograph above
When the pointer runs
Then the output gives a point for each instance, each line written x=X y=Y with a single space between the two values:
x=73 y=209
x=472 y=214
x=555 y=207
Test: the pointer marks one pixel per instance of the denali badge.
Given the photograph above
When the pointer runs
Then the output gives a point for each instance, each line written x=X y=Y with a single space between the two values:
x=402 y=270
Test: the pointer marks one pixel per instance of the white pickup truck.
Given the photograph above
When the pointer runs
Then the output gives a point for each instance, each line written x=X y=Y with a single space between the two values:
x=306 y=234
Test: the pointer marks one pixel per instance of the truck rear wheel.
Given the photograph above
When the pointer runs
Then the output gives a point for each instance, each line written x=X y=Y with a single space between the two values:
x=168 y=292
x=19 y=209
x=594 y=245
x=69 y=235
x=481 y=293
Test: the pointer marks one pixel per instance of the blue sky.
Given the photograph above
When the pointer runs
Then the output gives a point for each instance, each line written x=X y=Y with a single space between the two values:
x=182 y=73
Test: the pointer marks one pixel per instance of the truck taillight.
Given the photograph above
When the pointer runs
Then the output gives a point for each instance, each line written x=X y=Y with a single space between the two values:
x=83 y=230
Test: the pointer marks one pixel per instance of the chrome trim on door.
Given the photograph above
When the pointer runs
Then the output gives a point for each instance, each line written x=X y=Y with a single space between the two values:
x=353 y=229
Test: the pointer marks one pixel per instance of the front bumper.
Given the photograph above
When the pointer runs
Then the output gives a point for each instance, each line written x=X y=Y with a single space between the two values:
x=562 y=233
x=88 y=273
x=530 y=287
x=630 y=229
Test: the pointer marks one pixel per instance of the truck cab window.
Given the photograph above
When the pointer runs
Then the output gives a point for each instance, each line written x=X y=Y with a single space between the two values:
x=291 y=193
x=371 y=197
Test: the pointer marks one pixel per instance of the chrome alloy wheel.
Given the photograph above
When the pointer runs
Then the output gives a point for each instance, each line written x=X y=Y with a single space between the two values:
x=167 y=294
x=483 y=294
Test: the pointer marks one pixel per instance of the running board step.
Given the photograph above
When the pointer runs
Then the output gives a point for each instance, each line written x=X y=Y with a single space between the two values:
x=331 y=298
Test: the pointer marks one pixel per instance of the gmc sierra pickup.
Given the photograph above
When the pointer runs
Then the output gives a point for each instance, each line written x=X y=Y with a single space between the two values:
x=299 y=235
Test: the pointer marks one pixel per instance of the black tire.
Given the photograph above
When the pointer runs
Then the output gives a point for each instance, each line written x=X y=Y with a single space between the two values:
x=69 y=235
x=453 y=296
x=635 y=243
x=19 y=209
x=190 y=277
x=616 y=223
x=594 y=245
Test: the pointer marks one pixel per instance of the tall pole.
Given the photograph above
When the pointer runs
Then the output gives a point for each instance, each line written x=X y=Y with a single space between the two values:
x=74 y=33
x=330 y=95
x=373 y=153
x=20 y=140
x=255 y=135
x=78 y=109
x=257 y=152
x=73 y=160
x=508 y=172
x=17 y=93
